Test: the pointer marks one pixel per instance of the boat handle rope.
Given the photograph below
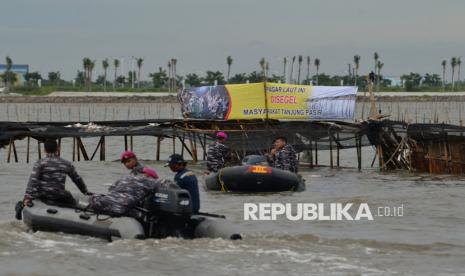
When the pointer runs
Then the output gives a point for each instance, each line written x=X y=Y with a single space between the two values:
x=223 y=186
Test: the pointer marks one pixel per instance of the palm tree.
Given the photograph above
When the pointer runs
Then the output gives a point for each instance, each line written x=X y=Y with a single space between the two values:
x=459 y=62
x=116 y=64
x=284 y=70
x=105 y=65
x=229 y=62
x=317 y=65
x=86 y=65
x=379 y=67
x=91 y=68
x=375 y=57
x=453 y=63
x=292 y=70
x=170 y=75
x=300 y=65
x=262 y=63
x=357 y=66
x=139 y=61
x=267 y=69
x=308 y=69
x=9 y=65
x=444 y=63
x=173 y=67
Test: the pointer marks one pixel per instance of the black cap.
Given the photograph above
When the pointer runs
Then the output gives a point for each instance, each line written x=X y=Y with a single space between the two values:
x=175 y=159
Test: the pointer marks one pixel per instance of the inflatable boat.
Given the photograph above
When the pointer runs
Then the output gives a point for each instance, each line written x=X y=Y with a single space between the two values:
x=254 y=175
x=167 y=213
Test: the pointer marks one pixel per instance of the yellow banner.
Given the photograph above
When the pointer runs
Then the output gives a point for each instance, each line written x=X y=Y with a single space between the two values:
x=246 y=101
x=287 y=101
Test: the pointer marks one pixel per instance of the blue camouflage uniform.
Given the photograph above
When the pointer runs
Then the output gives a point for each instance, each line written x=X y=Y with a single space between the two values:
x=48 y=177
x=187 y=180
x=286 y=159
x=217 y=156
x=123 y=195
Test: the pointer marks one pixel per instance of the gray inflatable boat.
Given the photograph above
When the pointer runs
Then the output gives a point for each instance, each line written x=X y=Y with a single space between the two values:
x=167 y=213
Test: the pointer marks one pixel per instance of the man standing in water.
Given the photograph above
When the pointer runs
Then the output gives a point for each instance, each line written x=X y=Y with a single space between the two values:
x=129 y=159
x=185 y=179
x=218 y=153
x=48 y=177
x=283 y=155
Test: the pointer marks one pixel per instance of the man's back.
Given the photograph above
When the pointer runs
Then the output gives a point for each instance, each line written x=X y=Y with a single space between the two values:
x=217 y=155
x=48 y=177
x=286 y=159
x=188 y=181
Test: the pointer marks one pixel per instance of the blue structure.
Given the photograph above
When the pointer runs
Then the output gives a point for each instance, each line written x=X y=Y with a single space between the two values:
x=19 y=69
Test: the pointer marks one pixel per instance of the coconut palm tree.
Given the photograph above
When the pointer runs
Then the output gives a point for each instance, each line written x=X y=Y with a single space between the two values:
x=174 y=62
x=308 y=69
x=139 y=61
x=459 y=62
x=267 y=69
x=262 y=63
x=357 y=66
x=105 y=65
x=375 y=57
x=7 y=74
x=86 y=66
x=317 y=66
x=91 y=69
x=116 y=65
x=453 y=64
x=292 y=70
x=300 y=66
x=229 y=62
x=170 y=75
x=444 y=63
x=379 y=66
x=284 y=70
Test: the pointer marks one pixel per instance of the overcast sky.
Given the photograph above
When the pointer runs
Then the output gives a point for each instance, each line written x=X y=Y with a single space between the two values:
x=409 y=35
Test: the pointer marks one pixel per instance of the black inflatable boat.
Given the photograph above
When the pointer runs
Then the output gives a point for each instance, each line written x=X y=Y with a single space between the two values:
x=167 y=213
x=255 y=175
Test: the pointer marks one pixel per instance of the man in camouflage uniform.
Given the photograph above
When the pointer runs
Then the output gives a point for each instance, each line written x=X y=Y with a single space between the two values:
x=283 y=156
x=218 y=153
x=124 y=195
x=129 y=159
x=48 y=177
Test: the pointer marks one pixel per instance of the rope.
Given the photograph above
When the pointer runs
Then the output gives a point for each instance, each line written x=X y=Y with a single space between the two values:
x=223 y=186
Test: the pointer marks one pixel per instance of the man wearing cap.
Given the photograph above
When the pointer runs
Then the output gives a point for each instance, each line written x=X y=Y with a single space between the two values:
x=129 y=159
x=185 y=179
x=48 y=177
x=283 y=155
x=218 y=153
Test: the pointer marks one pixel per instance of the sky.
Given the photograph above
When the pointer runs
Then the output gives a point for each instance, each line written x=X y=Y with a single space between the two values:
x=408 y=35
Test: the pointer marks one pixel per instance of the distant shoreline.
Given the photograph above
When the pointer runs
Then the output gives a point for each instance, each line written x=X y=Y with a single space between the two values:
x=165 y=97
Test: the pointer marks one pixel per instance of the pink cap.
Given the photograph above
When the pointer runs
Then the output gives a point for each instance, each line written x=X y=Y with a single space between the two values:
x=150 y=172
x=126 y=155
x=221 y=134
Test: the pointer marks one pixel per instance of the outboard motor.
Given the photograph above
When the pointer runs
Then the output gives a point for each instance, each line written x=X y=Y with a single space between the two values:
x=169 y=211
x=255 y=160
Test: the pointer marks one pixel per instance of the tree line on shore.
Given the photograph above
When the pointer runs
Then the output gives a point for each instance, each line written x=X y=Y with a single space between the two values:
x=295 y=70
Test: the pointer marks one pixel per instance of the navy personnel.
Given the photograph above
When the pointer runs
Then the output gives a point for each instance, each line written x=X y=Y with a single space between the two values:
x=129 y=159
x=185 y=179
x=48 y=177
x=218 y=153
x=283 y=155
x=125 y=194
